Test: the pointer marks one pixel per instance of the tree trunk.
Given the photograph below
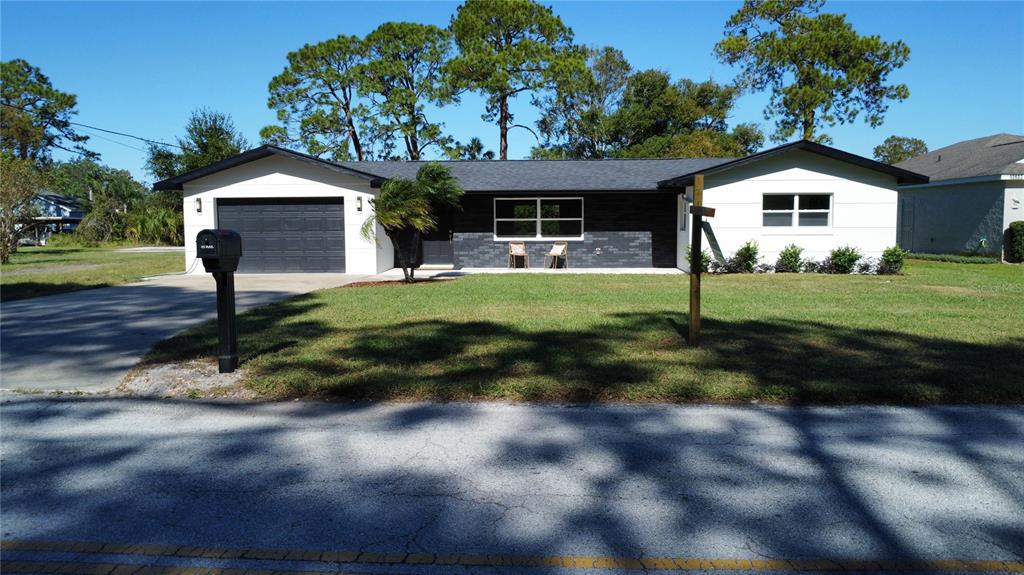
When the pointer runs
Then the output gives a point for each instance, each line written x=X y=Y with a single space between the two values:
x=808 y=125
x=353 y=135
x=503 y=128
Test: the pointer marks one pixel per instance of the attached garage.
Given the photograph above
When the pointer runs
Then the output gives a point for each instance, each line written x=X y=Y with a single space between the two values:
x=287 y=234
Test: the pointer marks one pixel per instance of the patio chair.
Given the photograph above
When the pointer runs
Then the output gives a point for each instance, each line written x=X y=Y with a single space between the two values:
x=518 y=250
x=559 y=250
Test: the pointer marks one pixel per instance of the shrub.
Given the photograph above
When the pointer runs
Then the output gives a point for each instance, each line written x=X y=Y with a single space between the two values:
x=705 y=259
x=764 y=269
x=789 y=259
x=72 y=240
x=814 y=267
x=953 y=258
x=842 y=260
x=744 y=260
x=868 y=266
x=892 y=260
x=1015 y=249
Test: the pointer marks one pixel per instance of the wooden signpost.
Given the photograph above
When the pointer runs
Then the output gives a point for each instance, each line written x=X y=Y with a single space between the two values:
x=696 y=255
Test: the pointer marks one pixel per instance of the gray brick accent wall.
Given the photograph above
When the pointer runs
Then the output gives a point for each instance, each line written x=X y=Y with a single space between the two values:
x=634 y=230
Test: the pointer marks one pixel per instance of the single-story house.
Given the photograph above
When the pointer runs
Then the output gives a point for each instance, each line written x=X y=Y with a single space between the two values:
x=298 y=213
x=56 y=214
x=975 y=191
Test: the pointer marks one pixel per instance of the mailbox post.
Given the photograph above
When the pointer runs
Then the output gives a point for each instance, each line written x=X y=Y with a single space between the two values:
x=220 y=251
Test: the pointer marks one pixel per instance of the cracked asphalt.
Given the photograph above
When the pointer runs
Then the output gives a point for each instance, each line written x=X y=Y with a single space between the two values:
x=626 y=481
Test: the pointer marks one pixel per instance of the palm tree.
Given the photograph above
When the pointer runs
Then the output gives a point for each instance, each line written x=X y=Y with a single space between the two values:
x=406 y=208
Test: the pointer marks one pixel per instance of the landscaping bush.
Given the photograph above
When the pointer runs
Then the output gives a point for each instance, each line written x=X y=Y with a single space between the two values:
x=813 y=267
x=744 y=260
x=892 y=260
x=842 y=260
x=705 y=259
x=72 y=240
x=1015 y=243
x=868 y=266
x=789 y=259
x=953 y=258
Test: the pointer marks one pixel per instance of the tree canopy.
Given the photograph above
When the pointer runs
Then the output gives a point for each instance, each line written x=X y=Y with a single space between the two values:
x=35 y=117
x=401 y=74
x=819 y=70
x=895 y=149
x=510 y=48
x=210 y=136
x=315 y=98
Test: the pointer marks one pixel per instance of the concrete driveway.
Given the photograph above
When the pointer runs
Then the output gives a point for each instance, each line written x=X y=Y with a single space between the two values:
x=87 y=340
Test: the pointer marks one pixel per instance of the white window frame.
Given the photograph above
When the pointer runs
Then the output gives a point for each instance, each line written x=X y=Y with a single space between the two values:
x=538 y=220
x=795 y=212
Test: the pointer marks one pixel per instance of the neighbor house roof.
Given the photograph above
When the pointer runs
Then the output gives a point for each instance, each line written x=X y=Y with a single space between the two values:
x=66 y=201
x=903 y=176
x=996 y=155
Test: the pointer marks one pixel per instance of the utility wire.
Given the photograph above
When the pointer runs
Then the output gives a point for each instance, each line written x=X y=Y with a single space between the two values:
x=147 y=140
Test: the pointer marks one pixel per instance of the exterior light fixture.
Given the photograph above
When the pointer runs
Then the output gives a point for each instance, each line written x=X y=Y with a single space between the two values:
x=359 y=204
x=199 y=205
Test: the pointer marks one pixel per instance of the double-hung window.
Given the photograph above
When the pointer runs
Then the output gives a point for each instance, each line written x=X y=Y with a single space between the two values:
x=796 y=210
x=538 y=218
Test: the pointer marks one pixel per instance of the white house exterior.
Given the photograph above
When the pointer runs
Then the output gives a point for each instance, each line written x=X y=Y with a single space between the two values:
x=799 y=196
x=298 y=213
x=976 y=191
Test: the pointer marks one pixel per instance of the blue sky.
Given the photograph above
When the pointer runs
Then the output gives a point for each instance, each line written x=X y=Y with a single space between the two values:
x=142 y=67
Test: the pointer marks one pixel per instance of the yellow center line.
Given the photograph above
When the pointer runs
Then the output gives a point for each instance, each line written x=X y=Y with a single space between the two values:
x=498 y=560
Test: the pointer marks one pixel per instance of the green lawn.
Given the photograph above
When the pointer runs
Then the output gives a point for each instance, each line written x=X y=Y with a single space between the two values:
x=941 y=333
x=36 y=271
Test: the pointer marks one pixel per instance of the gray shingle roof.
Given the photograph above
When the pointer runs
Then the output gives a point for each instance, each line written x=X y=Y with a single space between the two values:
x=989 y=156
x=550 y=175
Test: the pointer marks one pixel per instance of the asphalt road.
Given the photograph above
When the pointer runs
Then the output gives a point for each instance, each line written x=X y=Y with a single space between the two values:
x=88 y=340
x=626 y=481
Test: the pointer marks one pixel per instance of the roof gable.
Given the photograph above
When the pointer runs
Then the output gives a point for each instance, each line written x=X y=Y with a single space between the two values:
x=902 y=176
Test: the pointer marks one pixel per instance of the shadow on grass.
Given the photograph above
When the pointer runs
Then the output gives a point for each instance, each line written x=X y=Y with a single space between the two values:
x=26 y=290
x=621 y=357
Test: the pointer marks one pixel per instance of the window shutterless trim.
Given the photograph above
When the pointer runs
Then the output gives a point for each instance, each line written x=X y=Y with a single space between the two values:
x=538 y=220
x=795 y=211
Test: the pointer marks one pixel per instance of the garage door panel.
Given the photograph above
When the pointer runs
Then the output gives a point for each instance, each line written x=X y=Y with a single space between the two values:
x=293 y=235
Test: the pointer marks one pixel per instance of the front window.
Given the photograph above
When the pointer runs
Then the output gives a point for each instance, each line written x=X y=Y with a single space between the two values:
x=538 y=218
x=796 y=210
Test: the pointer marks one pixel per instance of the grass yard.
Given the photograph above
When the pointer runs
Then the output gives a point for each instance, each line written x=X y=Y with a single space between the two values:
x=36 y=271
x=941 y=333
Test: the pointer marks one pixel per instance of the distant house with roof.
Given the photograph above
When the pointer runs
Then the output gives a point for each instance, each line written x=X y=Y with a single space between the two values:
x=56 y=214
x=975 y=191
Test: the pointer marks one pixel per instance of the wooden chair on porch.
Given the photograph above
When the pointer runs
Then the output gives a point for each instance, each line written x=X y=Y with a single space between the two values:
x=559 y=250
x=518 y=250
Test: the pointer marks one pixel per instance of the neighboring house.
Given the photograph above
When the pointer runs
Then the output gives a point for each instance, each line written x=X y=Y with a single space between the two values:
x=57 y=214
x=299 y=213
x=975 y=190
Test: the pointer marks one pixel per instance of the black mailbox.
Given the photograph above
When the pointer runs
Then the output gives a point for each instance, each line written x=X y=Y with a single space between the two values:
x=219 y=250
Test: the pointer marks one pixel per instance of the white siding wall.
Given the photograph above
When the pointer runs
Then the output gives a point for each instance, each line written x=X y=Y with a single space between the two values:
x=279 y=177
x=863 y=206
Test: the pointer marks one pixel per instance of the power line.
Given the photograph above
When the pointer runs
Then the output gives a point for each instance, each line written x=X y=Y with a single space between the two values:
x=147 y=140
x=115 y=141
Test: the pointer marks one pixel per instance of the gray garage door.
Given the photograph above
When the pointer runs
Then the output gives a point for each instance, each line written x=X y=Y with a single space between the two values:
x=287 y=235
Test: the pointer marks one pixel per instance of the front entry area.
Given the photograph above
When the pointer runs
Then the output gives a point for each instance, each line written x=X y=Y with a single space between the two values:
x=437 y=250
x=287 y=234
